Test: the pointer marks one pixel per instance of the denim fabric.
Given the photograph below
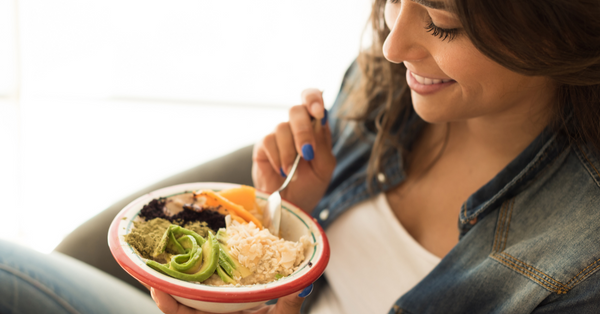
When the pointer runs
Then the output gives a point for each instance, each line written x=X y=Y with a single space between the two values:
x=529 y=239
x=31 y=282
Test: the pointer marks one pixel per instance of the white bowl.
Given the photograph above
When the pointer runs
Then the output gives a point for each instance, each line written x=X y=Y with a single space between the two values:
x=294 y=224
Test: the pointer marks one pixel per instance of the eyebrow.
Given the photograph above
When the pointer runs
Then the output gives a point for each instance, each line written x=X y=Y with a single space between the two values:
x=437 y=5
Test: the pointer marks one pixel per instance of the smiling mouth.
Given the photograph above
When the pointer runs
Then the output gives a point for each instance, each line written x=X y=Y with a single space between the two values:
x=429 y=81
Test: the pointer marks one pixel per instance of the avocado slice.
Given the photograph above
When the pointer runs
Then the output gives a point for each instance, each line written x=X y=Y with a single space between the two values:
x=187 y=242
x=179 y=231
x=191 y=261
x=230 y=264
x=223 y=275
x=169 y=241
x=223 y=262
x=210 y=255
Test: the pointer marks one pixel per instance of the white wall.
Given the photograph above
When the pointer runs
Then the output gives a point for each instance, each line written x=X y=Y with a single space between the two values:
x=9 y=123
x=88 y=88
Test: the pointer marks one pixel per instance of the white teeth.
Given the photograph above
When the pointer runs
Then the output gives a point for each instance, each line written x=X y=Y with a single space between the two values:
x=428 y=81
x=419 y=79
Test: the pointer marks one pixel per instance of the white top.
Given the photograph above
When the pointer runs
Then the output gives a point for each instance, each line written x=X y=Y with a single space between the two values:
x=374 y=261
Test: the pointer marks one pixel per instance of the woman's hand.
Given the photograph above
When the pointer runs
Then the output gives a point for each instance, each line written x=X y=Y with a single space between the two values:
x=274 y=155
x=285 y=305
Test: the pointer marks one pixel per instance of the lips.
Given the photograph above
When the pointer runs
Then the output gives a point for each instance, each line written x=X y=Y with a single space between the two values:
x=426 y=85
x=428 y=81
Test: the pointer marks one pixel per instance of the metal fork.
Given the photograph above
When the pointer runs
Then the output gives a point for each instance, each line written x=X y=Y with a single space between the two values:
x=274 y=202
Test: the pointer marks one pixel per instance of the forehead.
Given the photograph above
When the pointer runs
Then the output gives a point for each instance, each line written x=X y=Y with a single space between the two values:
x=435 y=4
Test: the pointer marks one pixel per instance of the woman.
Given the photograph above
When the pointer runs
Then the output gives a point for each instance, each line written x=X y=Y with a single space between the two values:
x=485 y=112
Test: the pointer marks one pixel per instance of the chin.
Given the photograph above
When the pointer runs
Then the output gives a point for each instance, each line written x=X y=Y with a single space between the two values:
x=432 y=114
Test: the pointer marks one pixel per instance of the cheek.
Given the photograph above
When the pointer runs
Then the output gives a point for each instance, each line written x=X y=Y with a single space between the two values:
x=468 y=67
x=483 y=85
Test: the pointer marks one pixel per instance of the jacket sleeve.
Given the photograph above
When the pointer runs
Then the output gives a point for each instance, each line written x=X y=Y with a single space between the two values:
x=584 y=298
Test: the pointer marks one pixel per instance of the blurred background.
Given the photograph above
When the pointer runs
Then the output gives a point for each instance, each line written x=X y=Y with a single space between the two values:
x=100 y=98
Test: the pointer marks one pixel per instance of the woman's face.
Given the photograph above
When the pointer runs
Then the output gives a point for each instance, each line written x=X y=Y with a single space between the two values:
x=450 y=79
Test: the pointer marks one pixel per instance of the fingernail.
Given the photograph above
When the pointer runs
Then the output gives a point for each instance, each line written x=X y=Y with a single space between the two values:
x=314 y=105
x=282 y=173
x=307 y=152
x=306 y=292
x=324 y=120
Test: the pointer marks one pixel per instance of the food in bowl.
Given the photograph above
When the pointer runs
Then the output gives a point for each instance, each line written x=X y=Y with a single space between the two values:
x=295 y=223
x=214 y=238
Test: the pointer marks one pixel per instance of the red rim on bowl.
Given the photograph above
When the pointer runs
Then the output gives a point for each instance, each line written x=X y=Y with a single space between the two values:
x=135 y=266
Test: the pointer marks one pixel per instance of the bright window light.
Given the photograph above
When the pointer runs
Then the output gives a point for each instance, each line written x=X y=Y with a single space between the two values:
x=251 y=52
x=103 y=83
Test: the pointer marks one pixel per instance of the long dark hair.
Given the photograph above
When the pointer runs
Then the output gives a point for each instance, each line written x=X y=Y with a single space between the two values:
x=559 y=39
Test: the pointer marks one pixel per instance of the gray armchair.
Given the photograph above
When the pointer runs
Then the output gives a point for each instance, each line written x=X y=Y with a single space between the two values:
x=88 y=242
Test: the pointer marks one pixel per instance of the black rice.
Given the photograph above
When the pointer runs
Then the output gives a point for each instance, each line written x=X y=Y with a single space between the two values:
x=155 y=209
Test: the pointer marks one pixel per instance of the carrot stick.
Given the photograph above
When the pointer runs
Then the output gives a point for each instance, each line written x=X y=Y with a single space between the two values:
x=221 y=210
x=214 y=199
x=238 y=219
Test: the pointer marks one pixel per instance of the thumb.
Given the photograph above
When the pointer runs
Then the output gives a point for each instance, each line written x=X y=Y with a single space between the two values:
x=293 y=302
x=324 y=161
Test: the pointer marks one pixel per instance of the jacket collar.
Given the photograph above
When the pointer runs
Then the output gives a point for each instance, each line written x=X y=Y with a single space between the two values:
x=510 y=181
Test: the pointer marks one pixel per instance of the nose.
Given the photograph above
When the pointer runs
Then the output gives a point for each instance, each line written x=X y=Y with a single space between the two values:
x=403 y=42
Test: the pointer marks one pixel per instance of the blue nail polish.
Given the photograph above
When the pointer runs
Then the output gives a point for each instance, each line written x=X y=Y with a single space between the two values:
x=306 y=292
x=307 y=152
x=324 y=120
x=282 y=173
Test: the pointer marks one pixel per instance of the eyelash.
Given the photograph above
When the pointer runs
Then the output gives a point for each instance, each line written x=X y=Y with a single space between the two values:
x=442 y=33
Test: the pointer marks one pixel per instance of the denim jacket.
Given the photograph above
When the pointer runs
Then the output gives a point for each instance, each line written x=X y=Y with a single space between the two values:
x=529 y=239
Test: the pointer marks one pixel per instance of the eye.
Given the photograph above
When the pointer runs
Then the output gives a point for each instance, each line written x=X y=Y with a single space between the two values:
x=442 y=33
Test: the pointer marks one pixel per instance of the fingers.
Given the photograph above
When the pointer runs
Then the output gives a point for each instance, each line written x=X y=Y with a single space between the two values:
x=297 y=135
x=301 y=135
x=312 y=98
x=274 y=155
x=266 y=163
x=285 y=143
x=293 y=302
x=270 y=151
x=302 y=131
x=278 y=148
x=325 y=162
x=168 y=305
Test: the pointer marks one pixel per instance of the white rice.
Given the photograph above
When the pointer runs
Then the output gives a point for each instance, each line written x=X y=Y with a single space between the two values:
x=264 y=254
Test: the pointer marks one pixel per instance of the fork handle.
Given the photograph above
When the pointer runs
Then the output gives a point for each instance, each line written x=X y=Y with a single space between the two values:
x=291 y=174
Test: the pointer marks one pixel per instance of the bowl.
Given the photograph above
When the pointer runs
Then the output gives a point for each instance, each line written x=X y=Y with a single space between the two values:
x=221 y=299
